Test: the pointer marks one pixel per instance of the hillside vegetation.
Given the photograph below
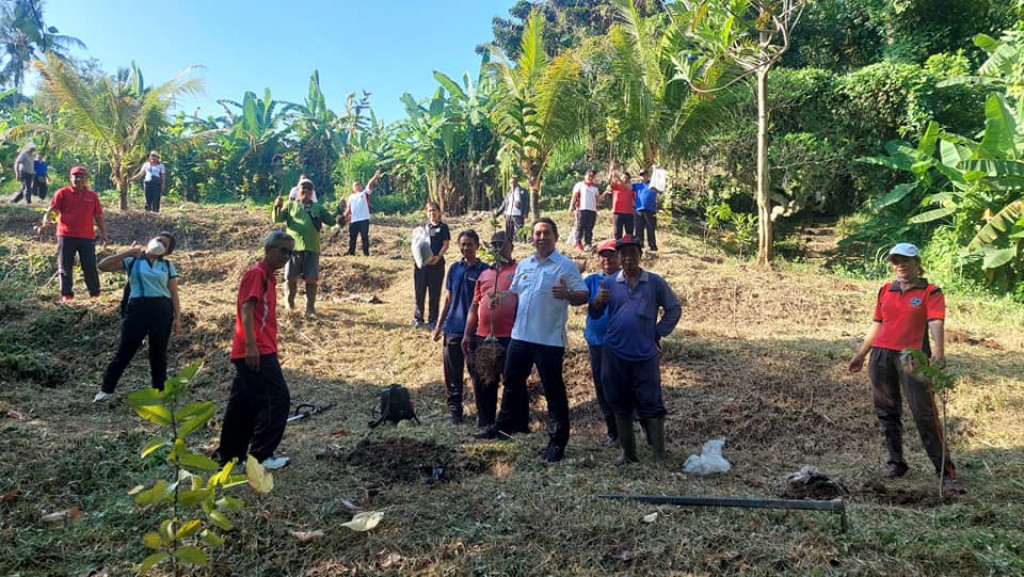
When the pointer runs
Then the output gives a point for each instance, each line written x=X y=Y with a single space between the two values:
x=759 y=359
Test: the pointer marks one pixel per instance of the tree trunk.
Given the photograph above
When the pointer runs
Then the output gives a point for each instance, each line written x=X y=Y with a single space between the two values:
x=764 y=208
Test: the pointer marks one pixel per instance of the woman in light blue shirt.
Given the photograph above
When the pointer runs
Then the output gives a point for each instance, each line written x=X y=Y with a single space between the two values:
x=150 y=309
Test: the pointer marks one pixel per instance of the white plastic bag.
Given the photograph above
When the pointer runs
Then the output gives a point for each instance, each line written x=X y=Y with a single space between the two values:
x=659 y=179
x=709 y=462
x=421 y=245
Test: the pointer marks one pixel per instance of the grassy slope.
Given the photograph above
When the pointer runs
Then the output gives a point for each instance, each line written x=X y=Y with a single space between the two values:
x=759 y=358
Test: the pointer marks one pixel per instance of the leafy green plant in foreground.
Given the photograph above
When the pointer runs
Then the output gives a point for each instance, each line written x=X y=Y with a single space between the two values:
x=191 y=505
x=940 y=381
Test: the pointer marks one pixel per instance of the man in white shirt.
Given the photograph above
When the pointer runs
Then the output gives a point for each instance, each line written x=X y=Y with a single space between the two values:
x=583 y=207
x=357 y=211
x=514 y=207
x=546 y=284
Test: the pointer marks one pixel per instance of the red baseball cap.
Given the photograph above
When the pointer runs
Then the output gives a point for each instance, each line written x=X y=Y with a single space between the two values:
x=606 y=245
x=79 y=170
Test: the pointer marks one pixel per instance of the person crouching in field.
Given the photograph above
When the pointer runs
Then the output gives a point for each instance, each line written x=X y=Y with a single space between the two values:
x=907 y=310
x=629 y=363
x=152 y=312
x=257 y=409
x=491 y=316
x=459 y=287
x=304 y=220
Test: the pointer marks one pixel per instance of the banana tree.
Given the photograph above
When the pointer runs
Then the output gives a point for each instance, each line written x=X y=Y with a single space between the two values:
x=260 y=126
x=539 y=104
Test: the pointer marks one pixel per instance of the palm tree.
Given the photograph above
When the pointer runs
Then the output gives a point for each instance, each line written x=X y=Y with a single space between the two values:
x=24 y=37
x=113 y=117
x=540 y=103
x=258 y=133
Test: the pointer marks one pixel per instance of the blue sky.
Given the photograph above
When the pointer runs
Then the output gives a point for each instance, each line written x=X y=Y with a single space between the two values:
x=386 y=47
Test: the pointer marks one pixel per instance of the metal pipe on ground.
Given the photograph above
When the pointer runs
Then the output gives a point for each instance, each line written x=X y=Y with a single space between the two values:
x=834 y=506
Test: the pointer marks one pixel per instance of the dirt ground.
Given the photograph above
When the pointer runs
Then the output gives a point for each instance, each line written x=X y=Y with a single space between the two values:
x=759 y=359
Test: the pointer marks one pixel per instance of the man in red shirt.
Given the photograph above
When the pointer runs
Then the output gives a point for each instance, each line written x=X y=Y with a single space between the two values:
x=258 y=406
x=623 y=206
x=77 y=208
x=492 y=313
x=907 y=311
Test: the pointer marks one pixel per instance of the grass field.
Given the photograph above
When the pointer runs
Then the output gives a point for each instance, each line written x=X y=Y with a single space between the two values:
x=758 y=359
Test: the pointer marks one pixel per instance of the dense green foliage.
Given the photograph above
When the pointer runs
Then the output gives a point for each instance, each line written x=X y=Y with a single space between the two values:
x=569 y=86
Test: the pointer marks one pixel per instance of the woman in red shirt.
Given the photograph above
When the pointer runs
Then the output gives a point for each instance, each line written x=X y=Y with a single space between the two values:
x=907 y=311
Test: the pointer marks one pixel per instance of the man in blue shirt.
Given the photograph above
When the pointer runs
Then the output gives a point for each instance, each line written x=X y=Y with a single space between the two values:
x=629 y=369
x=646 y=211
x=459 y=287
x=546 y=283
x=42 y=170
x=597 y=325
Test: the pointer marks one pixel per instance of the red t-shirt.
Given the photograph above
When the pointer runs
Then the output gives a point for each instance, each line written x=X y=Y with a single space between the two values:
x=505 y=312
x=623 y=199
x=258 y=284
x=77 y=212
x=905 y=315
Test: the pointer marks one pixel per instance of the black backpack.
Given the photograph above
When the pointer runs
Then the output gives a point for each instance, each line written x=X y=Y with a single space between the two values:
x=395 y=406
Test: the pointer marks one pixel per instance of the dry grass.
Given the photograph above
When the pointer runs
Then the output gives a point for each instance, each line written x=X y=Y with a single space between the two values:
x=759 y=359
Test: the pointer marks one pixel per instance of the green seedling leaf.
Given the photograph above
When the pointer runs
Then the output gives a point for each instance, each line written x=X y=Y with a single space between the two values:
x=153 y=445
x=194 y=497
x=167 y=530
x=156 y=414
x=191 y=555
x=152 y=561
x=196 y=462
x=145 y=398
x=220 y=520
x=195 y=409
x=259 y=479
x=152 y=540
x=228 y=504
x=188 y=528
x=154 y=494
x=210 y=538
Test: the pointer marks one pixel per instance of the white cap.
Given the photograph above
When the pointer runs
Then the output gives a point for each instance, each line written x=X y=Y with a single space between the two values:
x=904 y=249
x=304 y=181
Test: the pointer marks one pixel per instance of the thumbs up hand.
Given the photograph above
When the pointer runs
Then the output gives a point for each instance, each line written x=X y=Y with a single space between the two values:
x=603 y=294
x=560 y=290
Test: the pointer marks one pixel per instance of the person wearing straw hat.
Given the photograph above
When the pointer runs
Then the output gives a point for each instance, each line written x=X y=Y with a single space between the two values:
x=907 y=311
x=630 y=371
x=489 y=325
x=597 y=326
x=154 y=176
x=78 y=209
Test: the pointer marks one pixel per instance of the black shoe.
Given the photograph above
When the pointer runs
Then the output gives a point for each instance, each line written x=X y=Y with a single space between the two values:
x=895 y=470
x=554 y=452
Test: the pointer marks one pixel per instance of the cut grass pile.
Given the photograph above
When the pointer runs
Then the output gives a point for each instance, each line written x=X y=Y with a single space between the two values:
x=759 y=359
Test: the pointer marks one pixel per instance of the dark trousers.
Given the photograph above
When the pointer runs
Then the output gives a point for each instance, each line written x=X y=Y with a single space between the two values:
x=257 y=411
x=485 y=392
x=41 y=187
x=153 y=188
x=520 y=359
x=512 y=224
x=144 y=317
x=586 y=219
x=361 y=228
x=646 y=222
x=889 y=374
x=27 y=186
x=596 y=354
x=454 y=363
x=632 y=387
x=424 y=280
x=85 y=248
x=623 y=225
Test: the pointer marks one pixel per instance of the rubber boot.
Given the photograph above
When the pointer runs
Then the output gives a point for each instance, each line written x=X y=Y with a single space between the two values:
x=293 y=285
x=656 y=430
x=627 y=439
x=311 y=299
x=613 y=431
